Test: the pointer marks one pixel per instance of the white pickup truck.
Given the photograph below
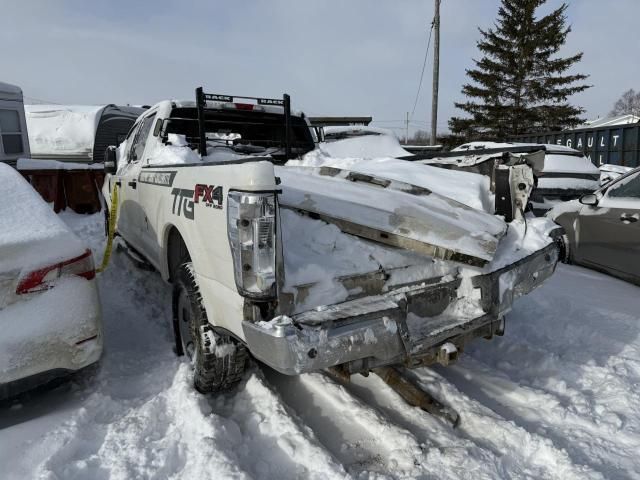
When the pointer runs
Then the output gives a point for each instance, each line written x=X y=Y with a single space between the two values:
x=308 y=268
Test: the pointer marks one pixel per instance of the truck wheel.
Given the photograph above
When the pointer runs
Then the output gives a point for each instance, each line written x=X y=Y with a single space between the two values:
x=218 y=360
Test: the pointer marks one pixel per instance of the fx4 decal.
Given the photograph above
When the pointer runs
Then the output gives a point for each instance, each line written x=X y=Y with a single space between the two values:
x=210 y=194
x=182 y=203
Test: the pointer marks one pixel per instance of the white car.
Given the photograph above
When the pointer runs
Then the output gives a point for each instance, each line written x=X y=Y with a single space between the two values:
x=610 y=172
x=567 y=173
x=49 y=305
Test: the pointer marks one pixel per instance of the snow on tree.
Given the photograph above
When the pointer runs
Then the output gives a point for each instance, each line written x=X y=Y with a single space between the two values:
x=521 y=84
x=628 y=103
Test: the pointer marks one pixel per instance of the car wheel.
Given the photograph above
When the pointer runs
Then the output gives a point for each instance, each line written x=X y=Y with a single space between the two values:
x=218 y=360
x=562 y=242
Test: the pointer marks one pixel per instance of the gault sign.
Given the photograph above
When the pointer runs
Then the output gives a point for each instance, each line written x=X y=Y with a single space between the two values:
x=618 y=144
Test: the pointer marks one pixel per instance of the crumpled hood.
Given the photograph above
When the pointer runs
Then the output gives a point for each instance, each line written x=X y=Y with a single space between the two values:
x=393 y=212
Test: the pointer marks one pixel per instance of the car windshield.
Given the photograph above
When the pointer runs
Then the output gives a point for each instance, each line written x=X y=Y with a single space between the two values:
x=628 y=187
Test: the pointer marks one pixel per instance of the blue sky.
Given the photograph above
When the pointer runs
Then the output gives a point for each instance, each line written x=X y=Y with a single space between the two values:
x=358 y=57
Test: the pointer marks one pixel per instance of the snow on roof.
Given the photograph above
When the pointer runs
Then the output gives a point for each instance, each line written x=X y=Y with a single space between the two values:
x=31 y=234
x=612 y=121
x=357 y=128
x=381 y=143
x=10 y=92
x=62 y=129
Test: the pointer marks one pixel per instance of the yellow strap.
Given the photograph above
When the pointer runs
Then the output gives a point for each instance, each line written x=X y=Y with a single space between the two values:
x=112 y=228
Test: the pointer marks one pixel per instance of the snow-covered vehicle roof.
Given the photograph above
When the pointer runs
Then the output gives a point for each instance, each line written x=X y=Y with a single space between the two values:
x=361 y=142
x=31 y=234
x=62 y=129
x=74 y=131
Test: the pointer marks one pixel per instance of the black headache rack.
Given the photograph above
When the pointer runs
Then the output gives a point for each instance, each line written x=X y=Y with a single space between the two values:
x=288 y=135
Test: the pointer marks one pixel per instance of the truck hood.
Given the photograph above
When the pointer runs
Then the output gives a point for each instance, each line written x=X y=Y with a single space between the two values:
x=393 y=213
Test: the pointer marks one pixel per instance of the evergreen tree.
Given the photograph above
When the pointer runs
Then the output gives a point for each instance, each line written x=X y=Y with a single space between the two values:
x=520 y=85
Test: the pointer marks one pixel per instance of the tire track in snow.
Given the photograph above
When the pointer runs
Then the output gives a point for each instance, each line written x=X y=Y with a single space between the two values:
x=521 y=453
x=597 y=439
x=448 y=455
x=268 y=437
x=362 y=439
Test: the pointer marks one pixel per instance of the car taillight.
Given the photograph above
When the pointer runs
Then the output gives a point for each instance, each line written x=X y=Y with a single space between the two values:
x=43 y=278
x=251 y=221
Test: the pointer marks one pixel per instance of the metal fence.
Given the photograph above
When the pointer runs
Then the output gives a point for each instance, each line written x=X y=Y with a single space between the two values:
x=618 y=144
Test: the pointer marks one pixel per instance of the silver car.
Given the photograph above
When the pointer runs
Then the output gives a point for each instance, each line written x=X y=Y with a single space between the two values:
x=603 y=228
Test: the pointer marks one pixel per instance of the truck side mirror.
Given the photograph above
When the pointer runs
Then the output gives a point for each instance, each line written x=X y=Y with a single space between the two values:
x=110 y=161
x=589 y=199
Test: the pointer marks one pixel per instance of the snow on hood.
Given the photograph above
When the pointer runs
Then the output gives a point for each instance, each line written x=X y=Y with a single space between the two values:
x=31 y=234
x=62 y=129
x=567 y=183
x=569 y=164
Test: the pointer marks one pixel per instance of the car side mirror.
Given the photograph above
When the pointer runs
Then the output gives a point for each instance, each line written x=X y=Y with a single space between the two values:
x=590 y=199
x=110 y=160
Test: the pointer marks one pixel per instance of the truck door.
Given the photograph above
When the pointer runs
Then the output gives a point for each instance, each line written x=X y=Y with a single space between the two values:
x=131 y=219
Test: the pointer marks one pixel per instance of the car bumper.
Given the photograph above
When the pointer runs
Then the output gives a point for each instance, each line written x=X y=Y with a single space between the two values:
x=408 y=325
x=56 y=331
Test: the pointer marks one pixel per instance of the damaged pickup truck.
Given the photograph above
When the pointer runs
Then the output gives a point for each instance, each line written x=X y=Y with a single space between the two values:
x=311 y=267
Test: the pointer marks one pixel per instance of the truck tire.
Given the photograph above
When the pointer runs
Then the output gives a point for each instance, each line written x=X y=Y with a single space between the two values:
x=218 y=360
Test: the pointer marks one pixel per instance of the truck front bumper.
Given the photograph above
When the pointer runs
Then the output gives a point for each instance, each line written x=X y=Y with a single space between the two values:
x=408 y=325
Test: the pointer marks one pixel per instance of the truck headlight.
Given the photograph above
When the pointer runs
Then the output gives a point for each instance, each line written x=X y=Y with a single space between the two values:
x=251 y=219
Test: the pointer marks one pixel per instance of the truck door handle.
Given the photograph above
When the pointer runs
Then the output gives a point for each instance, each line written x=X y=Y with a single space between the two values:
x=133 y=184
x=627 y=218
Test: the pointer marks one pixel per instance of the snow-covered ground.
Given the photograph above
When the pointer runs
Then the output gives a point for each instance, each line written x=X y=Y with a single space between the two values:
x=557 y=397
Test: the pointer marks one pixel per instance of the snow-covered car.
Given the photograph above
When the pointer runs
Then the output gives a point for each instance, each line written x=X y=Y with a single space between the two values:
x=309 y=266
x=602 y=229
x=565 y=174
x=361 y=142
x=609 y=172
x=49 y=305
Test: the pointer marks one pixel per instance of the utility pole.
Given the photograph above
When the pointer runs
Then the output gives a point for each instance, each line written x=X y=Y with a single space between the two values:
x=436 y=72
x=406 y=137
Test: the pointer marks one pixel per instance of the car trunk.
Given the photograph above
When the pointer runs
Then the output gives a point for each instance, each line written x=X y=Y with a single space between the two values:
x=31 y=235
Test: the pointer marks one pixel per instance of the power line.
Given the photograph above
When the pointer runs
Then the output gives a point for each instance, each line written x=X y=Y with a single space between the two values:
x=424 y=64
